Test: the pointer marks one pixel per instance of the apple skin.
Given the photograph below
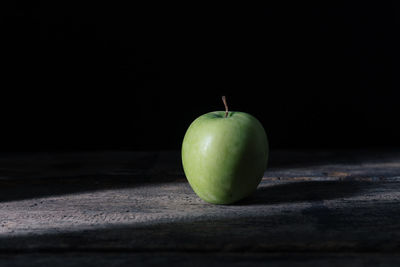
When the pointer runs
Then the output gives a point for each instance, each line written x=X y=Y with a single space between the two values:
x=224 y=159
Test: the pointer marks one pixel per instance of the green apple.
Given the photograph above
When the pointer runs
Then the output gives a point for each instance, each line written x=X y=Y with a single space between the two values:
x=224 y=155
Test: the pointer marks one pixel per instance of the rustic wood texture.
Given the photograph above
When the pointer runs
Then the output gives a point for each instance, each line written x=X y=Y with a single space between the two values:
x=316 y=207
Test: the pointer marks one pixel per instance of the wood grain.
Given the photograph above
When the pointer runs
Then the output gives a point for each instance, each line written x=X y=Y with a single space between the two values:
x=139 y=203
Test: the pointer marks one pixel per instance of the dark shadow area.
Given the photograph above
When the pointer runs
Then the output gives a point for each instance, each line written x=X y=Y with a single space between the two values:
x=369 y=228
x=28 y=188
x=211 y=259
x=305 y=191
x=42 y=175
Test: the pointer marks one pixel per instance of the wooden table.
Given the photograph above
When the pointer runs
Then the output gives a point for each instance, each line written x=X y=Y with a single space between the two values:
x=314 y=208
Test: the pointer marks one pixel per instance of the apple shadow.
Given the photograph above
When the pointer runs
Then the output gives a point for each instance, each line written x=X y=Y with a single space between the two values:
x=305 y=191
x=312 y=158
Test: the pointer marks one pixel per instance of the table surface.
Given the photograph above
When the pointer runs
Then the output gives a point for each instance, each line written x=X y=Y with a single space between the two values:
x=111 y=208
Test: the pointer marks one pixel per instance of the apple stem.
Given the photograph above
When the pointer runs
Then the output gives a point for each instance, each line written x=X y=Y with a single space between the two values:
x=226 y=106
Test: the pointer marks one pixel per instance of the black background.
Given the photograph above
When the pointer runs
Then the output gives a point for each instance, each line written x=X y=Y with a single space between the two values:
x=112 y=76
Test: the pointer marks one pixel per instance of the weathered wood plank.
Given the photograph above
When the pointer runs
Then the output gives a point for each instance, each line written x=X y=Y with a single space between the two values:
x=140 y=202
